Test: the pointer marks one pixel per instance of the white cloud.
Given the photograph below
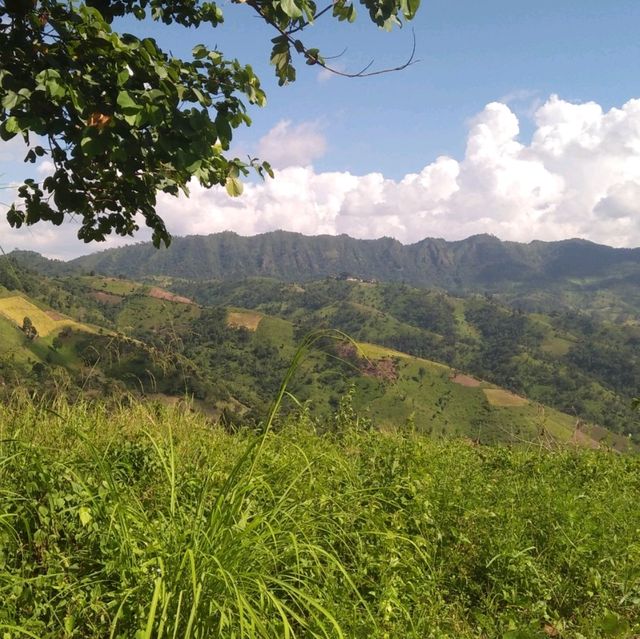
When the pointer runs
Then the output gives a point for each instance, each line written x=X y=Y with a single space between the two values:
x=57 y=242
x=578 y=176
x=287 y=144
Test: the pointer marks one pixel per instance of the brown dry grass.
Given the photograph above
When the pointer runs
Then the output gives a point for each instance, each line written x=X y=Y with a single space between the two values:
x=244 y=319
x=500 y=397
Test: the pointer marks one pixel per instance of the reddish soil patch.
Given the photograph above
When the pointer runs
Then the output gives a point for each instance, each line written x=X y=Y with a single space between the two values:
x=465 y=380
x=56 y=317
x=346 y=350
x=161 y=294
x=106 y=298
x=583 y=440
x=385 y=369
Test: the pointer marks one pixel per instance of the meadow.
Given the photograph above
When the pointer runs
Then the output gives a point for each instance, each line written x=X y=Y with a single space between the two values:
x=147 y=521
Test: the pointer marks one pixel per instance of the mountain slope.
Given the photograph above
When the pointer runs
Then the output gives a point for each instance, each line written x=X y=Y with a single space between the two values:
x=565 y=359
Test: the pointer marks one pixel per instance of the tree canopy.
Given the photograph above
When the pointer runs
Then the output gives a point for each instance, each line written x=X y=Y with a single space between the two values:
x=120 y=119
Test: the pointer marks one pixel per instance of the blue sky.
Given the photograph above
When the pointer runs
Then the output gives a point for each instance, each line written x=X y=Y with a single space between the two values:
x=363 y=139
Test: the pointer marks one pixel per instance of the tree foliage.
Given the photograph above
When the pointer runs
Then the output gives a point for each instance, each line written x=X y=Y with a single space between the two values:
x=120 y=119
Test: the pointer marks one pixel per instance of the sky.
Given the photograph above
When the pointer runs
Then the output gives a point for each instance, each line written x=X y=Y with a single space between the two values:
x=520 y=119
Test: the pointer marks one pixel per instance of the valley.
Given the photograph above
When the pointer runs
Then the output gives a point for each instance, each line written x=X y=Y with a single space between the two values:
x=444 y=365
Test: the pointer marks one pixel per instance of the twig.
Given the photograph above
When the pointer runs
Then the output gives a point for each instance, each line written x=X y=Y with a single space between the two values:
x=313 y=59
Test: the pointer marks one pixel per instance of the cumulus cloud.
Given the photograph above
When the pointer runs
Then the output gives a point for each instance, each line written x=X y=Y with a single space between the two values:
x=578 y=176
x=288 y=144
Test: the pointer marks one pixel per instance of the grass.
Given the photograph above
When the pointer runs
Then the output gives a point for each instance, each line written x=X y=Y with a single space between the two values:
x=143 y=312
x=145 y=521
x=113 y=285
x=428 y=396
x=555 y=345
x=12 y=342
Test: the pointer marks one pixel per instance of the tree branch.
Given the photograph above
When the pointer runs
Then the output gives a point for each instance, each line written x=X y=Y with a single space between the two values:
x=313 y=59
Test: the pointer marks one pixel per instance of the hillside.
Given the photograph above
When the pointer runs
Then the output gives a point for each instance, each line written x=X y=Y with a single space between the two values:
x=229 y=346
x=568 y=360
x=536 y=276
x=242 y=356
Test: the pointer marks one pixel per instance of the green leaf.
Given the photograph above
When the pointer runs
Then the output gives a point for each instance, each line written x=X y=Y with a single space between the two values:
x=55 y=89
x=200 y=51
x=93 y=145
x=290 y=8
x=409 y=8
x=12 y=126
x=234 y=186
x=85 y=516
x=223 y=130
x=127 y=103
x=613 y=626
x=10 y=100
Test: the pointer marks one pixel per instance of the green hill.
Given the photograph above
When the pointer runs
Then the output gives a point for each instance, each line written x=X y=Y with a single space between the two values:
x=568 y=360
x=422 y=360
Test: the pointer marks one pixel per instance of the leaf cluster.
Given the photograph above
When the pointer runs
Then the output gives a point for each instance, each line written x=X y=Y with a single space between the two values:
x=119 y=119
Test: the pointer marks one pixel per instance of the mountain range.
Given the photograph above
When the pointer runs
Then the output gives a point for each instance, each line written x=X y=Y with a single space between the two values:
x=539 y=275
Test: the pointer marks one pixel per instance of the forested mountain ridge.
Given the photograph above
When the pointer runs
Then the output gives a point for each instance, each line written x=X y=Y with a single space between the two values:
x=536 y=276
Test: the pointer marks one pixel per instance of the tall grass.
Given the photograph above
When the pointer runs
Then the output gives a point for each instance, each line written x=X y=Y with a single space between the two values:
x=144 y=521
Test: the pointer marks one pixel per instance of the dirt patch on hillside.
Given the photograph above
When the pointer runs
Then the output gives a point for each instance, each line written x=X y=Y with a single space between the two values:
x=106 y=298
x=466 y=380
x=500 y=397
x=583 y=440
x=244 y=319
x=385 y=369
x=161 y=294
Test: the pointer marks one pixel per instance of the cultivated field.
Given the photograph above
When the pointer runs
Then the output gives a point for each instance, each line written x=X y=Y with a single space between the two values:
x=16 y=308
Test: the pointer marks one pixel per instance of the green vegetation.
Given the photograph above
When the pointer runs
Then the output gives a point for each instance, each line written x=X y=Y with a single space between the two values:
x=146 y=522
x=581 y=366
x=565 y=375
x=142 y=494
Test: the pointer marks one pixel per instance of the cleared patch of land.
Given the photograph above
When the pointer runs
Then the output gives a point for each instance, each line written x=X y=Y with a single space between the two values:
x=161 y=294
x=106 y=298
x=466 y=380
x=378 y=352
x=113 y=285
x=555 y=345
x=244 y=319
x=500 y=397
x=16 y=308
